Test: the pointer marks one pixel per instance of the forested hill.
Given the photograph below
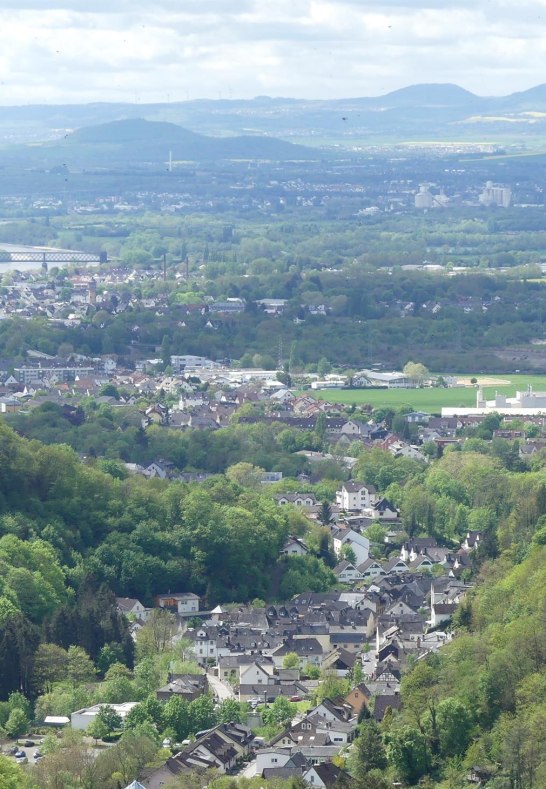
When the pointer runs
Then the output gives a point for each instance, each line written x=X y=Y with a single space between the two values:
x=72 y=536
x=141 y=143
x=142 y=537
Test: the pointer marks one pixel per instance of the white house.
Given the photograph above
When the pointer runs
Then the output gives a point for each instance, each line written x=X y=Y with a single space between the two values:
x=355 y=496
x=294 y=547
x=347 y=573
x=442 y=612
x=323 y=775
x=181 y=602
x=382 y=510
x=401 y=449
x=256 y=674
x=370 y=569
x=396 y=565
x=327 y=709
x=207 y=646
x=359 y=544
x=130 y=606
x=271 y=757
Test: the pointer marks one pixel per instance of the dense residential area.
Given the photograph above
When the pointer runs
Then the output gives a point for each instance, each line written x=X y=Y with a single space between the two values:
x=219 y=577
x=272 y=466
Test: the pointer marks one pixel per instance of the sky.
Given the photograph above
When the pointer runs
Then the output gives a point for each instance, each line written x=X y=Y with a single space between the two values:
x=77 y=51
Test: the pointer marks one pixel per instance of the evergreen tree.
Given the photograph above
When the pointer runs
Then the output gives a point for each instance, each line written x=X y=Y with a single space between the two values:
x=368 y=750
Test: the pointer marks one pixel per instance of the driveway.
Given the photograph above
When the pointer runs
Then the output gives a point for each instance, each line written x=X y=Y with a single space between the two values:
x=249 y=771
x=220 y=689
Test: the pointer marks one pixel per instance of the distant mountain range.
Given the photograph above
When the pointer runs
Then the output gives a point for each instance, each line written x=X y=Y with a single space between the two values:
x=428 y=111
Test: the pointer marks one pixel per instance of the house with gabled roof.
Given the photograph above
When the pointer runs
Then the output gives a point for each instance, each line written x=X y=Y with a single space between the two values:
x=185 y=686
x=331 y=711
x=421 y=563
x=383 y=702
x=294 y=767
x=358 y=697
x=256 y=674
x=164 y=469
x=309 y=650
x=416 y=546
x=340 y=660
x=396 y=565
x=355 y=496
x=370 y=568
x=359 y=544
x=294 y=546
x=442 y=612
x=383 y=510
x=472 y=540
x=131 y=607
x=221 y=747
x=324 y=776
x=347 y=573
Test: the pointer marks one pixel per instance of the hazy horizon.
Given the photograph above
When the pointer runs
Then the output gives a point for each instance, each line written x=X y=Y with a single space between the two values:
x=271 y=97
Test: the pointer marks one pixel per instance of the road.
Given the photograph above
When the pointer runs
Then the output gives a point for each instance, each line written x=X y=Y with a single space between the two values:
x=249 y=771
x=220 y=689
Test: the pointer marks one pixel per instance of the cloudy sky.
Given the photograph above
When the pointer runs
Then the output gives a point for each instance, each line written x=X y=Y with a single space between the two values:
x=172 y=50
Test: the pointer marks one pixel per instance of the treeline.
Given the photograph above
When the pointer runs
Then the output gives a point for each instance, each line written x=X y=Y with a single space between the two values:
x=142 y=536
x=115 y=433
x=371 y=315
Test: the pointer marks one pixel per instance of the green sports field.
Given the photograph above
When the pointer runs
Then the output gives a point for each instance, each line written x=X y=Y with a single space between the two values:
x=432 y=400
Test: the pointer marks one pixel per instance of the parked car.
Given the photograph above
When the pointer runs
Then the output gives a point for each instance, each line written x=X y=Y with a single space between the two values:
x=21 y=759
x=12 y=751
x=37 y=754
x=29 y=743
x=296 y=698
x=19 y=754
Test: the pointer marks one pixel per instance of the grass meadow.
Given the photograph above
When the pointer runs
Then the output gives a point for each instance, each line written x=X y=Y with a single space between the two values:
x=432 y=400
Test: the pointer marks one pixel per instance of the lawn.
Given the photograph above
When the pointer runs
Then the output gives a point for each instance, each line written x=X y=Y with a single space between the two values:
x=431 y=400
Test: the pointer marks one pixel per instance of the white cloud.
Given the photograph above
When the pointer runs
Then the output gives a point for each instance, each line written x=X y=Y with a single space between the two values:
x=77 y=50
